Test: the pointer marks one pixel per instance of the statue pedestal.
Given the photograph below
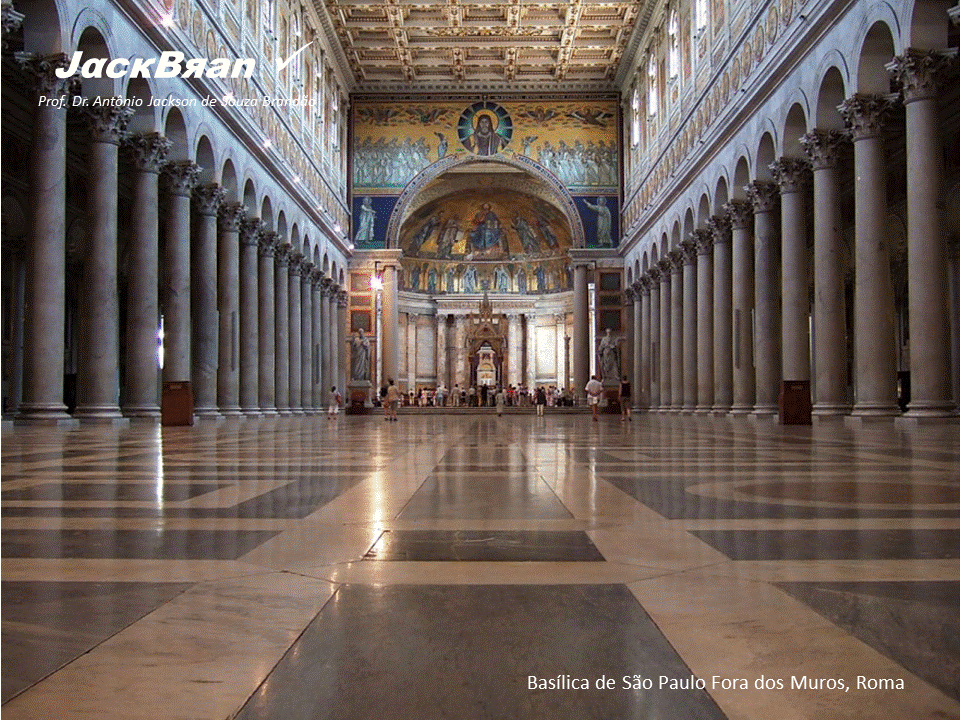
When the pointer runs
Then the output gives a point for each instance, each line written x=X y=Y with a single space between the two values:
x=359 y=400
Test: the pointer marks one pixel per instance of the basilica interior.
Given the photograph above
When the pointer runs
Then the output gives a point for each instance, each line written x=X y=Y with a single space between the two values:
x=228 y=225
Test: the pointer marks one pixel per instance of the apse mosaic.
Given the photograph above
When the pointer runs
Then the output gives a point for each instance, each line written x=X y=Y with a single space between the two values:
x=486 y=241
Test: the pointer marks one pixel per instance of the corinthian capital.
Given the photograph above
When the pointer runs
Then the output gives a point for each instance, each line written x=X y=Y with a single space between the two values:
x=147 y=150
x=267 y=243
x=180 y=177
x=702 y=240
x=792 y=174
x=208 y=198
x=740 y=213
x=866 y=115
x=41 y=69
x=654 y=276
x=764 y=195
x=250 y=230
x=824 y=147
x=12 y=20
x=231 y=215
x=719 y=226
x=921 y=72
x=106 y=124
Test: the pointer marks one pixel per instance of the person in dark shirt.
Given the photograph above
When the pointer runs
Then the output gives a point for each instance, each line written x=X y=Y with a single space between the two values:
x=624 y=399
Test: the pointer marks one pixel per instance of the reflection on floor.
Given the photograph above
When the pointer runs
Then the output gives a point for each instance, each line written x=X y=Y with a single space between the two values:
x=481 y=567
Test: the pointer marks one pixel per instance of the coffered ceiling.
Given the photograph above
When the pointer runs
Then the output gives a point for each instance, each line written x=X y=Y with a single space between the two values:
x=501 y=45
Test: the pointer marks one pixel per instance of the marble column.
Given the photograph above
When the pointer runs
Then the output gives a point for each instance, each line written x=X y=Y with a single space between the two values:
x=306 y=341
x=560 y=328
x=340 y=342
x=316 y=352
x=764 y=197
x=829 y=307
x=702 y=241
x=874 y=352
x=43 y=337
x=654 y=333
x=666 y=315
x=514 y=363
x=148 y=152
x=391 y=323
x=581 y=332
x=281 y=335
x=676 y=330
x=206 y=323
x=228 y=301
x=636 y=378
x=922 y=74
x=688 y=250
x=249 y=351
x=266 y=313
x=792 y=175
x=440 y=348
x=295 y=268
x=179 y=180
x=530 y=345
x=626 y=359
x=644 y=396
x=326 y=359
x=411 y=351
x=98 y=367
x=720 y=229
x=953 y=244
x=744 y=382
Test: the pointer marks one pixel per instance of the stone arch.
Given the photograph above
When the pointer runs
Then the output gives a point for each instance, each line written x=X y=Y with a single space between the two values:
x=405 y=202
x=144 y=118
x=929 y=25
x=830 y=94
x=92 y=42
x=794 y=127
x=266 y=212
x=43 y=30
x=687 y=223
x=175 y=130
x=206 y=159
x=877 y=49
x=741 y=177
x=228 y=178
x=766 y=154
x=703 y=209
x=250 y=198
x=282 y=228
x=721 y=195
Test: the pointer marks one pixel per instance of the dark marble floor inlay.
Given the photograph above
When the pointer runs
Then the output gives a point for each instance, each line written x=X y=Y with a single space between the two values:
x=467 y=651
x=916 y=624
x=834 y=544
x=166 y=544
x=123 y=492
x=489 y=545
x=497 y=495
x=79 y=615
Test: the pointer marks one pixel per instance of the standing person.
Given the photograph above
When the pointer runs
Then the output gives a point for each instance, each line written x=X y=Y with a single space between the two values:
x=594 y=390
x=335 y=399
x=391 y=401
x=501 y=401
x=455 y=396
x=540 y=398
x=623 y=397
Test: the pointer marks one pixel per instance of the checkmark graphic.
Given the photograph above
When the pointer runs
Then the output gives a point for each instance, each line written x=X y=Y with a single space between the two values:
x=281 y=64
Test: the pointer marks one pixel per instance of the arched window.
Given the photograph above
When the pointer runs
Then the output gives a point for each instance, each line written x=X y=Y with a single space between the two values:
x=652 y=94
x=673 y=56
x=635 y=116
x=701 y=9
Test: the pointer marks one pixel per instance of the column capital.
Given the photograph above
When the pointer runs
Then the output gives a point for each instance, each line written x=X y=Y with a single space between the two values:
x=294 y=261
x=326 y=286
x=12 y=20
x=267 y=243
x=921 y=72
x=208 y=198
x=41 y=69
x=688 y=251
x=824 y=147
x=740 y=213
x=642 y=286
x=654 y=277
x=316 y=277
x=306 y=269
x=231 y=215
x=106 y=124
x=763 y=195
x=719 y=226
x=954 y=14
x=342 y=299
x=251 y=228
x=702 y=240
x=281 y=251
x=866 y=115
x=180 y=177
x=628 y=297
x=147 y=150
x=664 y=265
x=792 y=174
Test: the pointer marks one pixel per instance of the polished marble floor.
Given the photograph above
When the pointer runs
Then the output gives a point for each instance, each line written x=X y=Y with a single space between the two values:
x=476 y=567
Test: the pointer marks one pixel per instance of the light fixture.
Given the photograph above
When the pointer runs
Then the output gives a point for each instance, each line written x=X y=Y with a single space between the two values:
x=376 y=278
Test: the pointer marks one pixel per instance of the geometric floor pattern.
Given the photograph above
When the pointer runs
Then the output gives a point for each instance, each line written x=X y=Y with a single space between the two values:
x=470 y=566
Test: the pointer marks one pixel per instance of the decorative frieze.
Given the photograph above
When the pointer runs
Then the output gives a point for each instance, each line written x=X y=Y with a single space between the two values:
x=740 y=213
x=147 y=150
x=764 y=195
x=866 y=115
x=921 y=72
x=825 y=147
x=791 y=174
x=180 y=177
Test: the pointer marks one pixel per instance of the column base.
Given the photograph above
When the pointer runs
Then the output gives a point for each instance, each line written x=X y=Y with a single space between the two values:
x=233 y=411
x=252 y=412
x=141 y=412
x=46 y=415
x=267 y=411
x=765 y=414
x=285 y=412
x=922 y=409
x=875 y=410
x=827 y=410
x=100 y=414
x=720 y=411
x=206 y=412
x=741 y=410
